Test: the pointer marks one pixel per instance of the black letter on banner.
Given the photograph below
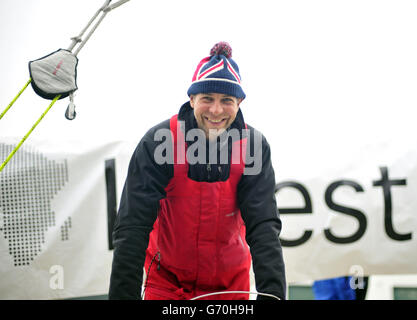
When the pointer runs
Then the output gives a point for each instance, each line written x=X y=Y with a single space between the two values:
x=110 y=173
x=307 y=209
x=386 y=184
x=342 y=209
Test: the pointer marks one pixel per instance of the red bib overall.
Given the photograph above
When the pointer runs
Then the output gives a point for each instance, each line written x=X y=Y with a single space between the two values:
x=198 y=240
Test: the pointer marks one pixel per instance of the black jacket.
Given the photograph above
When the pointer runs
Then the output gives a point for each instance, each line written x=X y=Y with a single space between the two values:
x=144 y=187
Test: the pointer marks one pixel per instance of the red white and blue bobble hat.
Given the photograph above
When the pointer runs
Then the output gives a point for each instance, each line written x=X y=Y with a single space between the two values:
x=217 y=73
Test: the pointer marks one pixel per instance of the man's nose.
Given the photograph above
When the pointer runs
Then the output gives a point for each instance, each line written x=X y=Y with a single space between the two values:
x=216 y=108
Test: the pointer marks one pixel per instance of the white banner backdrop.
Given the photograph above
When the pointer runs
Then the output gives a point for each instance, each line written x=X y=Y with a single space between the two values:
x=355 y=214
x=53 y=219
x=355 y=217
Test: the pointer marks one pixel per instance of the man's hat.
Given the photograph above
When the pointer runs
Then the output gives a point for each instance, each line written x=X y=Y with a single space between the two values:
x=217 y=73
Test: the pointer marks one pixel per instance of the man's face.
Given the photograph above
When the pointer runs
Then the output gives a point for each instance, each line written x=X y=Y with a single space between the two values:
x=214 y=112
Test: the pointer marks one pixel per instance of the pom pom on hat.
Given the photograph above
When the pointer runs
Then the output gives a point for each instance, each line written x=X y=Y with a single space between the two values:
x=218 y=73
x=222 y=48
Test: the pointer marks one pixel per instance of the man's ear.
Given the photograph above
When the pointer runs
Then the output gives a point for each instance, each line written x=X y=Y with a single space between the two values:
x=192 y=99
x=239 y=101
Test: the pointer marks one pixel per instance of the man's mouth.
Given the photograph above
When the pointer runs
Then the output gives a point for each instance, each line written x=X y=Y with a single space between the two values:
x=215 y=122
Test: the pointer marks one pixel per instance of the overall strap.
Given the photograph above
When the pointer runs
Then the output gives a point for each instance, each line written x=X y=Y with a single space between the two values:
x=179 y=146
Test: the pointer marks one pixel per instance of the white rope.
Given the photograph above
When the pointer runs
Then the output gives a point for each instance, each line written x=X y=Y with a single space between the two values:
x=229 y=292
x=77 y=39
x=105 y=8
x=90 y=34
x=115 y=5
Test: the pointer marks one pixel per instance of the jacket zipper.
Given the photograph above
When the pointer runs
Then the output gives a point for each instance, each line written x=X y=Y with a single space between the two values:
x=158 y=253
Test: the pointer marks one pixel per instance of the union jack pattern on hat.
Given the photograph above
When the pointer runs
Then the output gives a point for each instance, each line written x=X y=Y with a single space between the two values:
x=217 y=73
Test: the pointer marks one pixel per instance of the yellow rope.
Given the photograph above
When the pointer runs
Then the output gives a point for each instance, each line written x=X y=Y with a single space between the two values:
x=30 y=131
x=14 y=100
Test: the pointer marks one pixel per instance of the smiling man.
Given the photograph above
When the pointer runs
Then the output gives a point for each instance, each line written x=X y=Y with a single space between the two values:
x=196 y=226
x=214 y=112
